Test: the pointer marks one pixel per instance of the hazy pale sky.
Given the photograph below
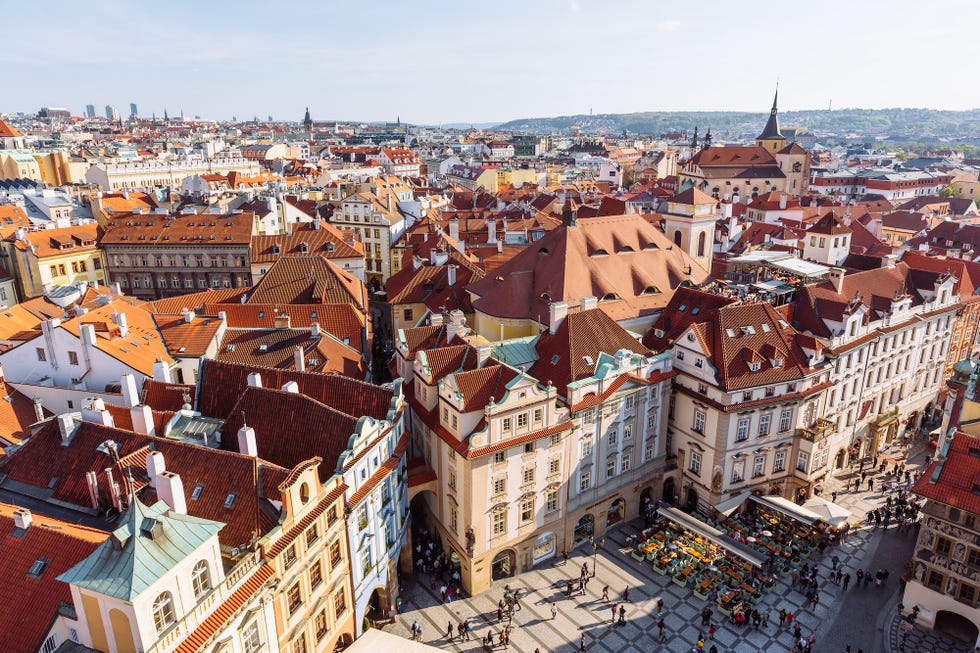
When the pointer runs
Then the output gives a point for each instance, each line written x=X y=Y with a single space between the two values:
x=432 y=62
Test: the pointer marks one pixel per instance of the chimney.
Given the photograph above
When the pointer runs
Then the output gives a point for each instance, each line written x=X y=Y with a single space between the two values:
x=143 y=420
x=451 y=273
x=189 y=317
x=291 y=386
x=888 y=260
x=491 y=231
x=130 y=395
x=161 y=372
x=282 y=321
x=435 y=319
x=38 y=409
x=836 y=277
x=782 y=201
x=170 y=489
x=246 y=442
x=155 y=465
x=93 y=410
x=454 y=229
x=113 y=489
x=222 y=316
x=115 y=289
x=500 y=247
x=588 y=303
x=482 y=354
x=299 y=358
x=556 y=314
x=86 y=333
x=22 y=518
x=255 y=380
x=315 y=329
x=66 y=425
x=92 y=481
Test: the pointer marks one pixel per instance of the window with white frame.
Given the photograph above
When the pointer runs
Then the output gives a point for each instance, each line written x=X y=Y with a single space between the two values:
x=610 y=466
x=527 y=510
x=612 y=437
x=201 y=580
x=652 y=420
x=163 y=612
x=759 y=466
x=522 y=421
x=699 y=418
x=505 y=424
x=764 y=421
x=627 y=432
x=537 y=415
x=499 y=485
x=784 y=420
x=588 y=416
x=802 y=460
x=625 y=462
x=738 y=471
x=499 y=521
x=585 y=479
x=586 y=448
x=453 y=518
x=628 y=402
x=695 y=466
x=551 y=501
x=742 y=430
x=251 y=641
x=779 y=461
x=527 y=475
x=649 y=449
x=554 y=465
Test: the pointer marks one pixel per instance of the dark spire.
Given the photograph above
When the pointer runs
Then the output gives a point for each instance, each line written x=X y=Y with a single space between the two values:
x=307 y=120
x=707 y=139
x=771 y=130
x=694 y=141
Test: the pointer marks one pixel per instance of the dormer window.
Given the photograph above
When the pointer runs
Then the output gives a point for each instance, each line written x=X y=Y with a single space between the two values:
x=304 y=248
x=651 y=290
x=777 y=362
x=230 y=500
x=754 y=367
x=276 y=249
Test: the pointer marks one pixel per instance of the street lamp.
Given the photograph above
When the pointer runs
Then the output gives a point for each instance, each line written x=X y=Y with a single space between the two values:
x=596 y=545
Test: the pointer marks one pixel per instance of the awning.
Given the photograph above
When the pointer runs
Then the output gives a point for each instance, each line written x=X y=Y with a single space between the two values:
x=728 y=506
x=830 y=512
x=684 y=520
x=788 y=508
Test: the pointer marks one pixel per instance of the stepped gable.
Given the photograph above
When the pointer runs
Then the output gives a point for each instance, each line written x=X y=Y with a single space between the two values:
x=222 y=383
x=297 y=429
x=564 y=356
x=29 y=601
x=572 y=262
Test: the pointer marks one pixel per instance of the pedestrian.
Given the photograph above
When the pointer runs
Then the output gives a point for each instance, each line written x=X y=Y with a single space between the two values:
x=834 y=560
x=711 y=631
x=585 y=569
x=789 y=619
x=490 y=639
x=700 y=644
x=466 y=629
x=660 y=606
x=605 y=593
x=765 y=619
x=782 y=618
x=662 y=634
x=833 y=496
x=871 y=484
x=449 y=631
x=554 y=610
x=626 y=593
x=500 y=613
x=622 y=614
x=564 y=555
x=614 y=607
x=713 y=649
x=581 y=645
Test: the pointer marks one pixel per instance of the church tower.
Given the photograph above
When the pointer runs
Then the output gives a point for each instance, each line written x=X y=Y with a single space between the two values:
x=689 y=221
x=771 y=139
x=308 y=123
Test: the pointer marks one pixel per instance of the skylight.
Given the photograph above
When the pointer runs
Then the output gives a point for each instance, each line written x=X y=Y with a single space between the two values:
x=196 y=494
x=38 y=567
x=230 y=500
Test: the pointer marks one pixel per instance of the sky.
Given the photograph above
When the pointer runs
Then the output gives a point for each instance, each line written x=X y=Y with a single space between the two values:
x=434 y=62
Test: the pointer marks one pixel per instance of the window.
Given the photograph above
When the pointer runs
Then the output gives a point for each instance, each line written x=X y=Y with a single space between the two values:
x=163 y=612
x=610 y=466
x=41 y=356
x=554 y=439
x=589 y=417
x=362 y=518
x=527 y=510
x=759 y=466
x=935 y=581
x=624 y=464
x=499 y=522
x=529 y=447
x=779 y=462
x=331 y=515
x=201 y=580
x=742 y=431
x=586 y=449
x=943 y=546
x=289 y=557
x=499 y=457
x=527 y=476
x=537 y=415
x=612 y=438
x=499 y=485
x=320 y=625
x=967 y=594
x=703 y=388
x=316 y=574
x=784 y=420
x=738 y=471
x=339 y=603
x=335 y=555
x=299 y=644
x=553 y=466
x=699 y=362
x=628 y=402
x=522 y=421
x=453 y=519
x=627 y=432
x=585 y=480
x=802 y=460
x=407 y=314
x=551 y=501
x=49 y=645
x=506 y=424
x=695 y=467
x=251 y=643
x=73 y=358
x=764 y=421
x=699 y=421
x=680 y=355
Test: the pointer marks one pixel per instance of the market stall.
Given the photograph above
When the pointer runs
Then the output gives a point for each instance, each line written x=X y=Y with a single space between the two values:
x=835 y=515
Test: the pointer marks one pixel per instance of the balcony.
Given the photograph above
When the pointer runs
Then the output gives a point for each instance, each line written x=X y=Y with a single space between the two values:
x=821 y=430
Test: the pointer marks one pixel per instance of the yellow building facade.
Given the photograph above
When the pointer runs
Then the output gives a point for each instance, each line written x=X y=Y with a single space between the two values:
x=54 y=257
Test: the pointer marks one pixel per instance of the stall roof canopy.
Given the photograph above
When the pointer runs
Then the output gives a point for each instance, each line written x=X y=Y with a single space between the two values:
x=788 y=508
x=696 y=525
x=830 y=512
x=728 y=506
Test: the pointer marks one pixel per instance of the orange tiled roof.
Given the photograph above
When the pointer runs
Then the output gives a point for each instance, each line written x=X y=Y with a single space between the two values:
x=166 y=396
x=17 y=323
x=58 y=242
x=28 y=604
x=133 y=229
x=344 y=321
x=327 y=241
x=276 y=347
x=139 y=349
x=6 y=131
x=308 y=280
x=184 y=339
x=16 y=414
x=12 y=217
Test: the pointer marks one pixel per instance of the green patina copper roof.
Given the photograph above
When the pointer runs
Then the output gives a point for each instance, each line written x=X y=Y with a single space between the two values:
x=149 y=542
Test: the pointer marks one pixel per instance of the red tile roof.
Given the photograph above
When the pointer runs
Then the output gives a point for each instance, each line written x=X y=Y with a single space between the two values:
x=308 y=280
x=29 y=604
x=275 y=348
x=327 y=241
x=16 y=415
x=222 y=383
x=187 y=339
x=957 y=482
x=478 y=386
x=744 y=155
x=6 y=131
x=132 y=229
x=166 y=396
x=343 y=321
x=75 y=239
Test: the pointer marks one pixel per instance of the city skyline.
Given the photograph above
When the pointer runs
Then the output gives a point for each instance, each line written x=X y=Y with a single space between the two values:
x=440 y=65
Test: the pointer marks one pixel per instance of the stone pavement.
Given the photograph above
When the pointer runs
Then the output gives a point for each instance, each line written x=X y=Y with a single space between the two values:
x=862 y=618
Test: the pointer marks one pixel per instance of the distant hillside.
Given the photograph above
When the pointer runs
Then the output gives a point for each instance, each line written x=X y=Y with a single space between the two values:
x=891 y=123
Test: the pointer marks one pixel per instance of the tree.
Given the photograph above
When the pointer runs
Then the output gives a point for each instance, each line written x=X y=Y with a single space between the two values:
x=946 y=192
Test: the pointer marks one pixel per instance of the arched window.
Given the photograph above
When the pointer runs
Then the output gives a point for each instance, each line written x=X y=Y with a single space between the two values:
x=201 y=579
x=163 y=612
x=677 y=238
x=701 y=240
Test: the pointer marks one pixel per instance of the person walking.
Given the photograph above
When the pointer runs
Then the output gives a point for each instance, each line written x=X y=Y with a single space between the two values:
x=711 y=631
x=660 y=606
x=581 y=644
x=554 y=610
x=626 y=593
x=605 y=593
x=449 y=631
x=564 y=556
x=614 y=607
x=782 y=618
x=662 y=633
